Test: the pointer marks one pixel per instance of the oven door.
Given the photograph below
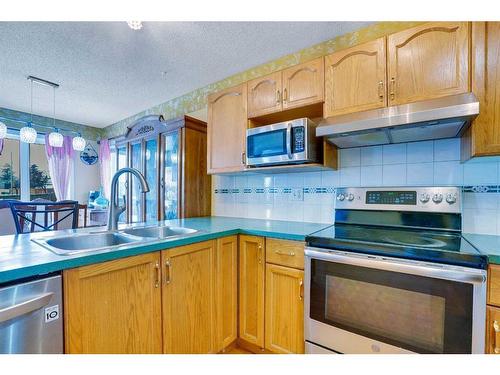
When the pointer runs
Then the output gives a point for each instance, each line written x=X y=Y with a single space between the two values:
x=357 y=303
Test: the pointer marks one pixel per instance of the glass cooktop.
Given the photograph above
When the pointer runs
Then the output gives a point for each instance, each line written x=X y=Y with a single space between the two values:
x=426 y=245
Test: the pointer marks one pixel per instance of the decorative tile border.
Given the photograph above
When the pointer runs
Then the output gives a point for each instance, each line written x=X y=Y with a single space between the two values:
x=274 y=190
x=481 y=189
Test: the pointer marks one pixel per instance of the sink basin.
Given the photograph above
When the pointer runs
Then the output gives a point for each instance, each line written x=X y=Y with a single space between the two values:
x=159 y=231
x=79 y=243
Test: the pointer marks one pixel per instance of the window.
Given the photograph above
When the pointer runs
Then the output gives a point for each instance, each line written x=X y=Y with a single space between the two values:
x=24 y=170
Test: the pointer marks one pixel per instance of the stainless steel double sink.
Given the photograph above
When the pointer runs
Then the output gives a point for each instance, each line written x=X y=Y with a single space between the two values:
x=77 y=243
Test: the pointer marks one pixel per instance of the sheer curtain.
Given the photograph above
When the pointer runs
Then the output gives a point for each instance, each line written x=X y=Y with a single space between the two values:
x=60 y=161
x=105 y=167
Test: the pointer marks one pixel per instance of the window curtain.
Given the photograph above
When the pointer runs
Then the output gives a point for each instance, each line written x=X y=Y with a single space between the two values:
x=105 y=167
x=60 y=161
x=1 y=145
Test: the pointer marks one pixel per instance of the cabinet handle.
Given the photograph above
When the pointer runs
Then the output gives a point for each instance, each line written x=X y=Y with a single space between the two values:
x=285 y=95
x=496 y=328
x=291 y=253
x=260 y=254
x=301 y=289
x=168 y=267
x=393 y=84
x=243 y=158
x=381 y=90
x=278 y=97
x=157 y=273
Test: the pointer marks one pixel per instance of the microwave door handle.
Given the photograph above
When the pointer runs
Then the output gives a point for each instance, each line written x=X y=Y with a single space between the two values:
x=289 y=140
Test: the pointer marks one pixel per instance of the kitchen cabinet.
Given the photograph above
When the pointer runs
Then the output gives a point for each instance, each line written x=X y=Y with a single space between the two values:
x=227 y=125
x=492 y=330
x=284 y=332
x=483 y=137
x=294 y=87
x=188 y=299
x=251 y=289
x=355 y=79
x=428 y=61
x=114 y=307
x=226 y=291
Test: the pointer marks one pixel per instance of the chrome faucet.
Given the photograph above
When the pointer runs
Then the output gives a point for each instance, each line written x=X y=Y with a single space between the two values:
x=115 y=210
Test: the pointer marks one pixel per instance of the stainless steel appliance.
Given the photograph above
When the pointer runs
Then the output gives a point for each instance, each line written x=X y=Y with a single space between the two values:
x=31 y=317
x=394 y=275
x=288 y=142
x=445 y=117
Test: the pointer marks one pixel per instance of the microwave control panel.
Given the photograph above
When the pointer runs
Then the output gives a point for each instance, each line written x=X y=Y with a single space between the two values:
x=298 y=139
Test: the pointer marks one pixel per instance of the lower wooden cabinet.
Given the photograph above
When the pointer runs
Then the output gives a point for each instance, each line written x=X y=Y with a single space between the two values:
x=188 y=297
x=226 y=291
x=114 y=307
x=251 y=289
x=284 y=309
x=492 y=330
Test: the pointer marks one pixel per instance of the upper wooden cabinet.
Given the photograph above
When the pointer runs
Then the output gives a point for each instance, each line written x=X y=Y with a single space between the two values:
x=114 y=307
x=303 y=84
x=251 y=289
x=264 y=95
x=227 y=125
x=294 y=87
x=355 y=79
x=483 y=138
x=188 y=298
x=428 y=61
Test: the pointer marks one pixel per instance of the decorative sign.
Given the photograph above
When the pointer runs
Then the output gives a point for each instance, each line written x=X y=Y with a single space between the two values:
x=89 y=155
x=144 y=130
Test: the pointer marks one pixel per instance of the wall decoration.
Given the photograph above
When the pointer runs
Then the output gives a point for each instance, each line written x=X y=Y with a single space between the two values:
x=89 y=155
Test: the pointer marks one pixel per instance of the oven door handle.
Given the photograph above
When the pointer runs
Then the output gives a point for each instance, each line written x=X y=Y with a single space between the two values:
x=289 y=140
x=441 y=271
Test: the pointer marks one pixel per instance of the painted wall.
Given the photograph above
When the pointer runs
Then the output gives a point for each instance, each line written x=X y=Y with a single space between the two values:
x=86 y=177
x=430 y=163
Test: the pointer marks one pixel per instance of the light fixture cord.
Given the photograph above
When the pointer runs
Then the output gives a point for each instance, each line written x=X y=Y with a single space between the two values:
x=54 y=109
x=31 y=106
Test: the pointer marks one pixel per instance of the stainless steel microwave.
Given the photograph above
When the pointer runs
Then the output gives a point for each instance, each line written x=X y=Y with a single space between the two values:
x=288 y=142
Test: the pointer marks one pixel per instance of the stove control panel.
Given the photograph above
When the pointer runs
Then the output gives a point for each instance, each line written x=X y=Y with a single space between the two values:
x=427 y=199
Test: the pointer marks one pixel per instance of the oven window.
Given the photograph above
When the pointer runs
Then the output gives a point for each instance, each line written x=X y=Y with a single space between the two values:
x=267 y=144
x=420 y=314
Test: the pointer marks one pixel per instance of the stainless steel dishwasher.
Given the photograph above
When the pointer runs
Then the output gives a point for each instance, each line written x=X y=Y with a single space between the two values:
x=31 y=317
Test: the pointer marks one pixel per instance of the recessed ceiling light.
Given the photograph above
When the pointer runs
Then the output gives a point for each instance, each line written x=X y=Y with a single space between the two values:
x=135 y=25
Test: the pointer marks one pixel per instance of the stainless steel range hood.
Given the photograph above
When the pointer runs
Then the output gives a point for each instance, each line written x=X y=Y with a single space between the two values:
x=445 y=117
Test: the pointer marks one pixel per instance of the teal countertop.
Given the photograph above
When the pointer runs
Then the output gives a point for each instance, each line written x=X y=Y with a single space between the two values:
x=20 y=257
x=486 y=244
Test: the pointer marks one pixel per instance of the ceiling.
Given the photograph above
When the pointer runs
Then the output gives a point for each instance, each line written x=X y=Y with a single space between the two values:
x=108 y=72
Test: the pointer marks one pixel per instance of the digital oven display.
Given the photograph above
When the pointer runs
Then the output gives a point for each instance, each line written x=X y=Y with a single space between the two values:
x=391 y=197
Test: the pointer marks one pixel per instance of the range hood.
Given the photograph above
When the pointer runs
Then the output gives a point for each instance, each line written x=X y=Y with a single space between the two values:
x=446 y=117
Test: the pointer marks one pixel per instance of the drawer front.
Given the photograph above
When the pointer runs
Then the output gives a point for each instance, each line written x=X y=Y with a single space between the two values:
x=493 y=330
x=285 y=253
x=494 y=285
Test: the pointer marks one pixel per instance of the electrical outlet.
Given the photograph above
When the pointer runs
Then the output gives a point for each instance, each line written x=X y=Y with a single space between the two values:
x=297 y=194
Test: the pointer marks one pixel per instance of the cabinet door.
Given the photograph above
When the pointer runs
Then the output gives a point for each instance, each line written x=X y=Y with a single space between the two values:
x=284 y=309
x=264 y=95
x=226 y=130
x=251 y=298
x=428 y=61
x=355 y=79
x=492 y=330
x=226 y=290
x=114 y=307
x=485 y=84
x=304 y=84
x=188 y=299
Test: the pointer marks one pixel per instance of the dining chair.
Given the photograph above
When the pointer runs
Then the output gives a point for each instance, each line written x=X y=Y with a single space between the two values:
x=44 y=216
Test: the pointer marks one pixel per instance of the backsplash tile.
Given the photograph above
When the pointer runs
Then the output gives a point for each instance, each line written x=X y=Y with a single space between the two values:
x=428 y=163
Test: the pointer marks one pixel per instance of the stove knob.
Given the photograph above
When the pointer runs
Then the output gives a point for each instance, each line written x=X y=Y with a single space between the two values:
x=424 y=197
x=350 y=197
x=437 y=198
x=340 y=197
x=451 y=198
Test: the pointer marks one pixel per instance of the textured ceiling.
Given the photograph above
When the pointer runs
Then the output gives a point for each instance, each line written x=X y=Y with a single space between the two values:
x=108 y=72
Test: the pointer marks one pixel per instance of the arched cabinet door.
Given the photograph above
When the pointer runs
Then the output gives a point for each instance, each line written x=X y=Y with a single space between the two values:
x=355 y=79
x=428 y=61
x=303 y=84
x=226 y=130
x=264 y=95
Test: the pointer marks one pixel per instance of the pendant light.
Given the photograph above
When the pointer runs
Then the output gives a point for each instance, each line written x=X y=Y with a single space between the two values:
x=27 y=134
x=79 y=143
x=135 y=25
x=55 y=138
x=3 y=130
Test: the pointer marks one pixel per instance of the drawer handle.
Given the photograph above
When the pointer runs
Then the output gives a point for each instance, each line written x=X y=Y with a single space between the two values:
x=157 y=273
x=381 y=90
x=285 y=95
x=291 y=253
x=168 y=267
x=393 y=84
x=301 y=290
x=496 y=328
x=260 y=254
x=278 y=97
